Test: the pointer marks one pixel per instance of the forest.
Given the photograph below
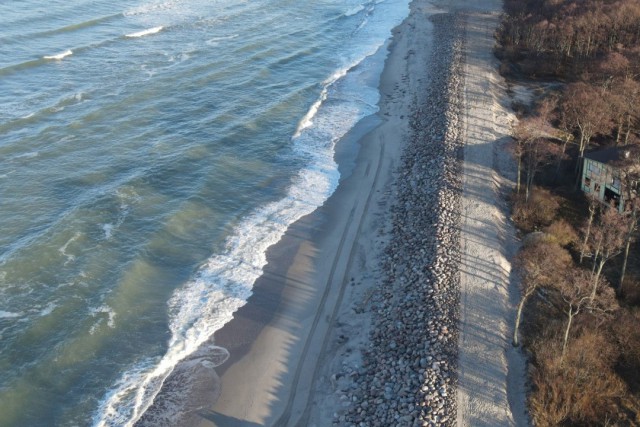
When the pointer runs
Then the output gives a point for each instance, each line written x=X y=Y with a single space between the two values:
x=578 y=318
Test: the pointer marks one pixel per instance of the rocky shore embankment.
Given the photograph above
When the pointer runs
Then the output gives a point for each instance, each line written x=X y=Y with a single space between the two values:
x=408 y=372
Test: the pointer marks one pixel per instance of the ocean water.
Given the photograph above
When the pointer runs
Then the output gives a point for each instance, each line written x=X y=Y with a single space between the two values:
x=150 y=152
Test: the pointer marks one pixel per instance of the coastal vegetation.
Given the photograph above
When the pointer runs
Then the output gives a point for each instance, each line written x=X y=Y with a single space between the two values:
x=579 y=267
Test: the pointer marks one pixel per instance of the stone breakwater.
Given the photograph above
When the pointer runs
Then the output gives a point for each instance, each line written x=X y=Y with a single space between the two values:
x=408 y=371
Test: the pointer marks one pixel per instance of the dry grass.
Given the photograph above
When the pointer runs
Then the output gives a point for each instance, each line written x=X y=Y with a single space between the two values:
x=583 y=389
x=562 y=232
x=598 y=382
x=538 y=212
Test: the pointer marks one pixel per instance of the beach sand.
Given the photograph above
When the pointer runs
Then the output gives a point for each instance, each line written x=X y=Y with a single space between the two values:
x=299 y=345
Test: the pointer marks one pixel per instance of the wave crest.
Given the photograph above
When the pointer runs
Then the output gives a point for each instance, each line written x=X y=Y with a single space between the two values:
x=59 y=56
x=146 y=32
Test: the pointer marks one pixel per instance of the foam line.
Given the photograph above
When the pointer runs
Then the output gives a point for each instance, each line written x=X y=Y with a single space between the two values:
x=146 y=32
x=354 y=11
x=60 y=55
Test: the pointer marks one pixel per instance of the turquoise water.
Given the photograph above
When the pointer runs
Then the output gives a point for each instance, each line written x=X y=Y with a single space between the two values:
x=151 y=152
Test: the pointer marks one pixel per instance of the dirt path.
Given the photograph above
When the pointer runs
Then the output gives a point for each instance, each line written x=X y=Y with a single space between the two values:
x=491 y=373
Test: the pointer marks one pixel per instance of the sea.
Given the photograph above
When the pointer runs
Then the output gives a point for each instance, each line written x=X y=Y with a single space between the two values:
x=150 y=152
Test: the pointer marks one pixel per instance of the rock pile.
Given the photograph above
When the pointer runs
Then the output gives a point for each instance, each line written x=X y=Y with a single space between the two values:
x=408 y=372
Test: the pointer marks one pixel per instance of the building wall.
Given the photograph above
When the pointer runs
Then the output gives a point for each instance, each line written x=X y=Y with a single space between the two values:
x=597 y=178
x=594 y=176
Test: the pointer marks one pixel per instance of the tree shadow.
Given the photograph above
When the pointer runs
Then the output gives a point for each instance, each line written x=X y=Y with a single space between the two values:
x=224 y=420
x=491 y=372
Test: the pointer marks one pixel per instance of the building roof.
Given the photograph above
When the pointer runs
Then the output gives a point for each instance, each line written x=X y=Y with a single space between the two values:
x=614 y=155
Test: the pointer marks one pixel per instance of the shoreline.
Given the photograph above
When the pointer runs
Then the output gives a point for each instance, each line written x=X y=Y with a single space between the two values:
x=307 y=279
x=362 y=313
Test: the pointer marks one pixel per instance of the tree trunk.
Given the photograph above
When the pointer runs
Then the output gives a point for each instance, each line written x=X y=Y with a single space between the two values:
x=523 y=300
x=632 y=226
x=596 y=278
x=596 y=253
x=584 y=140
x=580 y=151
x=624 y=264
x=519 y=173
x=619 y=129
x=585 y=137
x=592 y=211
x=581 y=146
x=570 y=315
x=559 y=163
x=626 y=136
x=579 y=172
x=529 y=183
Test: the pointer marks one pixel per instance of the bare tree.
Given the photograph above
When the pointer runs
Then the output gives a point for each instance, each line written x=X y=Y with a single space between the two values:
x=575 y=292
x=629 y=92
x=533 y=150
x=518 y=152
x=632 y=227
x=614 y=66
x=584 y=110
x=565 y=134
x=539 y=152
x=539 y=264
x=607 y=240
x=622 y=95
x=629 y=173
x=593 y=206
x=526 y=132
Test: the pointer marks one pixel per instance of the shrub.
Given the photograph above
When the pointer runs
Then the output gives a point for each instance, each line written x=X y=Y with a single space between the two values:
x=539 y=211
x=627 y=335
x=562 y=233
x=580 y=391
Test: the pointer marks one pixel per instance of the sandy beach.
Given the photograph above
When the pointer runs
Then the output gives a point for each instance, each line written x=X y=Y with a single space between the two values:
x=390 y=305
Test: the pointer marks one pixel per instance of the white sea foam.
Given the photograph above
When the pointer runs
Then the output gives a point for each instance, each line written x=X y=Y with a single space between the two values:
x=206 y=303
x=146 y=32
x=108 y=230
x=149 y=73
x=69 y=100
x=307 y=120
x=95 y=327
x=362 y=24
x=215 y=41
x=29 y=155
x=354 y=10
x=63 y=249
x=123 y=211
x=9 y=314
x=48 y=309
x=60 y=55
x=104 y=309
x=179 y=58
x=221 y=287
